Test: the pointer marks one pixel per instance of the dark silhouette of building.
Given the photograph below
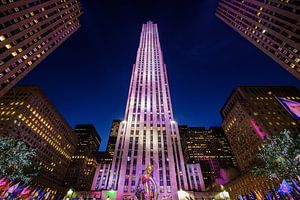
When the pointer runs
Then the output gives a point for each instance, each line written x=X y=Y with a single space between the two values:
x=26 y=113
x=30 y=31
x=113 y=137
x=82 y=168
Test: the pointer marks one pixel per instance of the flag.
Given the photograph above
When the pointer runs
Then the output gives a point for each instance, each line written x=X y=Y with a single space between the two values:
x=258 y=195
x=25 y=193
x=296 y=186
x=292 y=107
x=34 y=193
x=3 y=183
x=269 y=195
x=285 y=188
x=16 y=192
x=41 y=195
x=47 y=195
x=13 y=188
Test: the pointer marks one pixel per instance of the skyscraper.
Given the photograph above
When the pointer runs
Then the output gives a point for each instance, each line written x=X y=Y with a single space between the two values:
x=111 y=144
x=83 y=164
x=272 y=26
x=210 y=148
x=148 y=134
x=30 y=31
x=26 y=113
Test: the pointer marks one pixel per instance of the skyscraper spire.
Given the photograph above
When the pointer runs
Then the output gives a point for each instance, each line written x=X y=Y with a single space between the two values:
x=148 y=134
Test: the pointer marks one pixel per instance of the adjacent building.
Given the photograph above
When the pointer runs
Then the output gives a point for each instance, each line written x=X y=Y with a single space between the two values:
x=111 y=145
x=148 y=134
x=272 y=26
x=30 y=31
x=209 y=148
x=102 y=172
x=27 y=113
x=82 y=168
x=252 y=114
x=195 y=177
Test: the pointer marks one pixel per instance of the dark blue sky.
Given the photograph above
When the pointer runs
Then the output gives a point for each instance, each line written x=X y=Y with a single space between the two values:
x=87 y=78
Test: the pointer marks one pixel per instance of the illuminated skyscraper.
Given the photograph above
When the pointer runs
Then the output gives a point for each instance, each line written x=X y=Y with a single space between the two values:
x=272 y=26
x=29 y=32
x=148 y=134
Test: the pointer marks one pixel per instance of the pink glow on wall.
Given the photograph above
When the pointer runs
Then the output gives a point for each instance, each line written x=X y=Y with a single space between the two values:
x=258 y=129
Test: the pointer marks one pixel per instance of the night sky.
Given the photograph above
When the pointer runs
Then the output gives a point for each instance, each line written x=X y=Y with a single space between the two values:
x=87 y=78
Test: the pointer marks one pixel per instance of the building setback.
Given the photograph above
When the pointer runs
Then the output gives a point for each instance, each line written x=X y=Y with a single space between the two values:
x=148 y=134
x=101 y=175
x=26 y=113
x=209 y=148
x=111 y=145
x=273 y=26
x=250 y=115
x=29 y=31
x=82 y=167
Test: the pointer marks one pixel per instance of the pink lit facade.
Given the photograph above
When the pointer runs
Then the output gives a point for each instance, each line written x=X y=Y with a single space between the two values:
x=195 y=177
x=148 y=134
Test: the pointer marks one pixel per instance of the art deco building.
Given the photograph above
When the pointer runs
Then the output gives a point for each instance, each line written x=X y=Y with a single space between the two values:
x=113 y=137
x=209 y=148
x=82 y=167
x=195 y=177
x=29 y=32
x=272 y=26
x=101 y=175
x=26 y=113
x=148 y=134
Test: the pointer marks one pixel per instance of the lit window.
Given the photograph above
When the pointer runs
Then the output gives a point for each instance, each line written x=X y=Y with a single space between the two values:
x=2 y=38
x=14 y=53
x=8 y=46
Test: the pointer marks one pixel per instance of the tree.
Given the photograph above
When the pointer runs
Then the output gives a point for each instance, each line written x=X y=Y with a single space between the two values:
x=280 y=156
x=16 y=159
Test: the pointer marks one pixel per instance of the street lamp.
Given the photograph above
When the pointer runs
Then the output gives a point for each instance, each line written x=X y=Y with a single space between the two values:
x=70 y=193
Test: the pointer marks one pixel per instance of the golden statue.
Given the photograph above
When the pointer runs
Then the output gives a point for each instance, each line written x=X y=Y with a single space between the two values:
x=146 y=187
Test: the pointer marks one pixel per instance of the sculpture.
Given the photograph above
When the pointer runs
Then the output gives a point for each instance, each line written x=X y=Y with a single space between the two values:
x=146 y=187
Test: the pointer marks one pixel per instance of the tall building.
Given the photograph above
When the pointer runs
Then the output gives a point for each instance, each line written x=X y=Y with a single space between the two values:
x=26 y=113
x=272 y=26
x=148 y=134
x=111 y=144
x=30 y=31
x=82 y=167
x=253 y=113
x=209 y=148
x=101 y=175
